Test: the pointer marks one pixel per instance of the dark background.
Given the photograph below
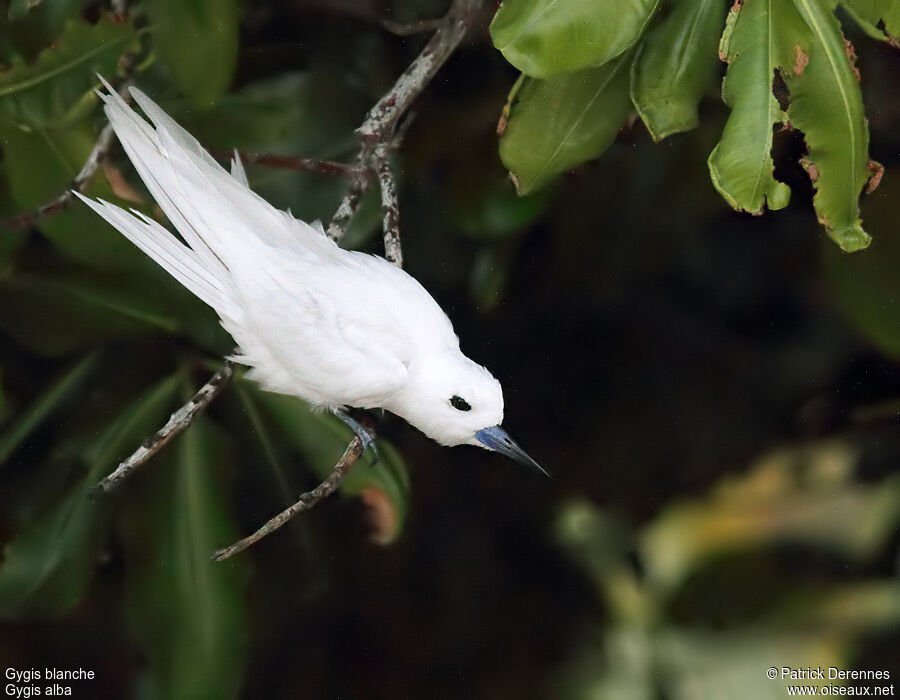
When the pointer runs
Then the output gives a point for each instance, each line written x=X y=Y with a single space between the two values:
x=713 y=393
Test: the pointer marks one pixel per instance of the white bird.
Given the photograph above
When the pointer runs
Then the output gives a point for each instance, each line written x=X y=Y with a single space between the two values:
x=338 y=328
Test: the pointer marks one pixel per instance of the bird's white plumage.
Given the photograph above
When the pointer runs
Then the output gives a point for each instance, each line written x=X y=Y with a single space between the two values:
x=334 y=327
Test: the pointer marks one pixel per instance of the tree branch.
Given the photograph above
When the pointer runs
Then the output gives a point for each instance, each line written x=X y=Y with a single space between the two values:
x=100 y=150
x=380 y=124
x=178 y=422
x=309 y=165
x=305 y=502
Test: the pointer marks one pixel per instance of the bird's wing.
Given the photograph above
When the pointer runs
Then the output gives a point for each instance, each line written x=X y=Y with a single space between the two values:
x=317 y=337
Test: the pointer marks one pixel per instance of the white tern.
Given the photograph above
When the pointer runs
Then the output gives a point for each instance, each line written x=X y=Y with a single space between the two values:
x=338 y=328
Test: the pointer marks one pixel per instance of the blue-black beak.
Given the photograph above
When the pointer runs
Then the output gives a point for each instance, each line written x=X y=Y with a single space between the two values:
x=498 y=440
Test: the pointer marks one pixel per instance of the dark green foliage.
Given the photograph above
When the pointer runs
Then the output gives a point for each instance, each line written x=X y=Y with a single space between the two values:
x=767 y=44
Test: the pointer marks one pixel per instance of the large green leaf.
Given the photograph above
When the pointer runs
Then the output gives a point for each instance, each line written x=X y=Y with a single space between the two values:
x=801 y=43
x=741 y=163
x=47 y=566
x=322 y=438
x=198 y=42
x=60 y=82
x=879 y=18
x=56 y=314
x=546 y=37
x=675 y=65
x=187 y=612
x=557 y=123
x=44 y=405
x=40 y=164
x=826 y=105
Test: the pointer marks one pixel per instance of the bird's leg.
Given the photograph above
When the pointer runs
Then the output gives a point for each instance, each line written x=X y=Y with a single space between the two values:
x=365 y=433
x=305 y=502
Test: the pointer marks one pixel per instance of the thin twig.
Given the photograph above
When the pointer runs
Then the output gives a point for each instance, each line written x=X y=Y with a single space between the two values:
x=178 y=421
x=422 y=26
x=309 y=165
x=380 y=124
x=304 y=502
x=389 y=203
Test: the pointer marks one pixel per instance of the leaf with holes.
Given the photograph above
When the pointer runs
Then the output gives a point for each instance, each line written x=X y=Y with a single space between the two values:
x=675 y=65
x=557 y=123
x=826 y=105
x=741 y=164
x=545 y=37
x=879 y=18
x=57 y=88
x=798 y=45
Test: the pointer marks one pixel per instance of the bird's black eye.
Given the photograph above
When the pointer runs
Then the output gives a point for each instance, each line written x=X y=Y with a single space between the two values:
x=459 y=403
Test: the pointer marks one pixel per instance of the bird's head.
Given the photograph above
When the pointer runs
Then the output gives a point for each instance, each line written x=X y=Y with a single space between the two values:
x=458 y=402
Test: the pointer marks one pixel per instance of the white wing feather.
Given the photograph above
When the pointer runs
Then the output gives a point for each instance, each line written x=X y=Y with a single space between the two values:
x=332 y=326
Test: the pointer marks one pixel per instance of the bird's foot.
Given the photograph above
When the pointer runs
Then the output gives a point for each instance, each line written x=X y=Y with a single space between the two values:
x=363 y=432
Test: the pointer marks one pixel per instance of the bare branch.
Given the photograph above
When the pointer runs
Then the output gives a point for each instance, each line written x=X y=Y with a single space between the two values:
x=422 y=26
x=304 y=502
x=84 y=176
x=380 y=124
x=178 y=422
x=390 y=204
x=382 y=118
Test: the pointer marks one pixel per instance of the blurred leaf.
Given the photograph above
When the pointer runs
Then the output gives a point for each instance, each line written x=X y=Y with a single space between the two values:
x=800 y=42
x=559 y=122
x=674 y=66
x=867 y=286
x=45 y=93
x=60 y=392
x=741 y=164
x=41 y=164
x=47 y=566
x=493 y=211
x=879 y=18
x=187 y=612
x=488 y=277
x=545 y=37
x=55 y=314
x=322 y=438
x=34 y=24
x=198 y=42
x=804 y=495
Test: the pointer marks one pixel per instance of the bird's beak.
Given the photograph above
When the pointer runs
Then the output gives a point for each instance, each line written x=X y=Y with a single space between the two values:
x=498 y=440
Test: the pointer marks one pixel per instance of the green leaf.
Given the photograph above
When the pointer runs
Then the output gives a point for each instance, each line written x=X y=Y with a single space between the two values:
x=557 y=123
x=800 y=42
x=741 y=163
x=197 y=40
x=59 y=393
x=674 y=66
x=47 y=566
x=187 y=612
x=867 y=287
x=41 y=164
x=57 y=87
x=56 y=314
x=879 y=18
x=322 y=438
x=546 y=37
x=826 y=105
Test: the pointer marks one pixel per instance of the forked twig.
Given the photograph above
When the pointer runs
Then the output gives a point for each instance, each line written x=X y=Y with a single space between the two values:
x=177 y=422
x=305 y=502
